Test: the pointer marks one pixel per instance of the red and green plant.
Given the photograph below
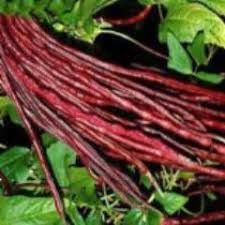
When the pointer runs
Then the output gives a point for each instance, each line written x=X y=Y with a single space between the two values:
x=165 y=131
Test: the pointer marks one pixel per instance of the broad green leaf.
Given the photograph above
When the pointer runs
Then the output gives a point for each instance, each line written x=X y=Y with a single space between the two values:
x=212 y=78
x=61 y=157
x=179 y=60
x=138 y=217
x=197 y=50
x=216 y=5
x=82 y=185
x=171 y=202
x=14 y=163
x=94 y=218
x=186 y=20
x=20 y=210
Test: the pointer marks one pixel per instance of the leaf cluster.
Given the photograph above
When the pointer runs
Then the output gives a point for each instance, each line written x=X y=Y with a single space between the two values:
x=74 y=17
x=200 y=27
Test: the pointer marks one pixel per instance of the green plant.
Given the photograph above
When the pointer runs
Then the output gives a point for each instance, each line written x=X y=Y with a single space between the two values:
x=199 y=27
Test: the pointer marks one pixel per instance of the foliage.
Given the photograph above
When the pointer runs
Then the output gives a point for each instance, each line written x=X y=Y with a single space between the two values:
x=74 y=17
x=187 y=20
x=11 y=160
x=196 y=23
x=180 y=60
x=28 y=211
x=138 y=217
x=171 y=202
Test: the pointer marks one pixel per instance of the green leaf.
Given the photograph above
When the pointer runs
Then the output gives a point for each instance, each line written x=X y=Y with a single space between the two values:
x=75 y=216
x=154 y=217
x=86 y=10
x=20 y=210
x=69 y=4
x=216 y=5
x=197 y=50
x=212 y=78
x=13 y=7
x=4 y=102
x=61 y=157
x=14 y=163
x=40 y=10
x=179 y=60
x=94 y=218
x=185 y=21
x=68 y=19
x=83 y=186
x=166 y=3
x=145 y=181
x=48 y=140
x=2 y=6
x=147 y=2
x=171 y=202
x=56 y=7
x=103 y=4
x=170 y=4
x=186 y=175
x=138 y=217
x=26 y=6
x=135 y=217
x=13 y=115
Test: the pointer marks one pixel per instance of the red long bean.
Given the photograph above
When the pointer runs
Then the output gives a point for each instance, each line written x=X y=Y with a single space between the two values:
x=72 y=94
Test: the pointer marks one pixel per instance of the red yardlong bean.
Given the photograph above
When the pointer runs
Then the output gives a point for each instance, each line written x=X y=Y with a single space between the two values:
x=67 y=93
x=165 y=124
x=130 y=20
x=165 y=97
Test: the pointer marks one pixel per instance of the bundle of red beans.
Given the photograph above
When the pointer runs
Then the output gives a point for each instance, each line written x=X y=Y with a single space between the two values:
x=108 y=113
